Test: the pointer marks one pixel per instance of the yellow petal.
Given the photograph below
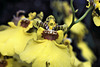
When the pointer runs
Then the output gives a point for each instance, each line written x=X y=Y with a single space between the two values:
x=96 y=20
x=31 y=15
x=12 y=24
x=41 y=52
x=14 y=40
x=39 y=33
x=60 y=36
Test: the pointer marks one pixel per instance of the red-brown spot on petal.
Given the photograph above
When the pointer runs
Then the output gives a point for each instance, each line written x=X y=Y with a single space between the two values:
x=25 y=23
x=50 y=36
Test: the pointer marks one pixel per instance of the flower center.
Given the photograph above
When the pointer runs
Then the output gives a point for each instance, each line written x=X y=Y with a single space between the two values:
x=50 y=35
x=25 y=23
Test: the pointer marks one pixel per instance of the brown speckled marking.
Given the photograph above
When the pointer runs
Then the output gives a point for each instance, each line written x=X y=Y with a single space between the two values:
x=25 y=23
x=50 y=36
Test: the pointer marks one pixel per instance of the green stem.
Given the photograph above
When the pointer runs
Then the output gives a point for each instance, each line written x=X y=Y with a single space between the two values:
x=73 y=11
x=81 y=18
x=70 y=27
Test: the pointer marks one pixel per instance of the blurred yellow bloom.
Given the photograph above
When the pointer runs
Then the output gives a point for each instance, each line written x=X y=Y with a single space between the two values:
x=57 y=5
x=78 y=29
x=62 y=6
x=96 y=20
x=86 y=52
x=14 y=39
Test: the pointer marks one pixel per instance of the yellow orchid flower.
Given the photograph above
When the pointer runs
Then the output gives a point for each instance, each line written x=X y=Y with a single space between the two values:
x=46 y=51
x=14 y=39
x=49 y=51
x=50 y=21
x=96 y=11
